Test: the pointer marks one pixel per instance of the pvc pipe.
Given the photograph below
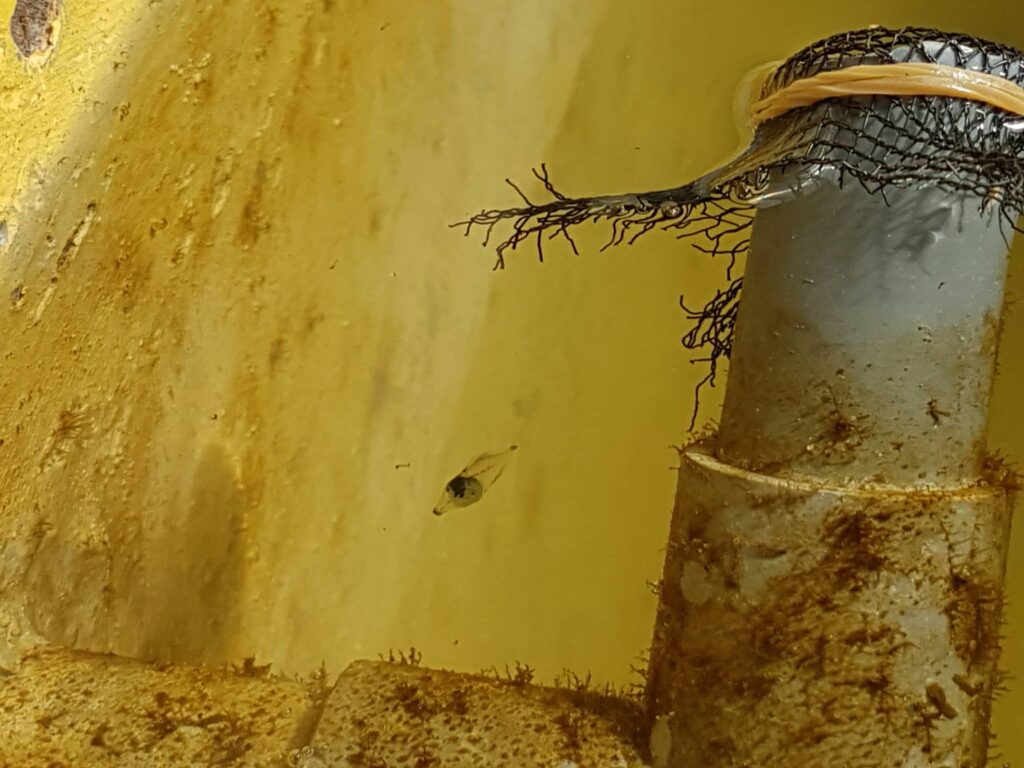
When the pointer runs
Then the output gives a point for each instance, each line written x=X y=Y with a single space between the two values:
x=866 y=343
x=833 y=581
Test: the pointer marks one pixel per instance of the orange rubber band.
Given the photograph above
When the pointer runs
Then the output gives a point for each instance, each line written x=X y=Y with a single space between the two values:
x=911 y=79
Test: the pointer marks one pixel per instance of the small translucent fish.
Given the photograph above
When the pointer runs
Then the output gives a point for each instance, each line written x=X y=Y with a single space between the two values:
x=471 y=483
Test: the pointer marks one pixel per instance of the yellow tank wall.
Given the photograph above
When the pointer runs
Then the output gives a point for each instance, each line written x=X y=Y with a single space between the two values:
x=234 y=307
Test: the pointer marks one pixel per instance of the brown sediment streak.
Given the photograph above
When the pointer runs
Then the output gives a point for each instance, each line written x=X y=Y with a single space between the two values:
x=910 y=79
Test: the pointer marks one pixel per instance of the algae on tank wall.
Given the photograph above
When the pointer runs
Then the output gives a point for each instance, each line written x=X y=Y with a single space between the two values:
x=243 y=354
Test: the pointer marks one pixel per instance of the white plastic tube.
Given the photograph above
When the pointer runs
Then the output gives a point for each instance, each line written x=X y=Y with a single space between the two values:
x=833 y=582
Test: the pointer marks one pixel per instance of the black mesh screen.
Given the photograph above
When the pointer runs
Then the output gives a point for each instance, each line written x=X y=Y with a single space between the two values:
x=878 y=142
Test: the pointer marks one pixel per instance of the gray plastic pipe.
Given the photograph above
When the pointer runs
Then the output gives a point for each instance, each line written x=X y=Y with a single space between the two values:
x=833 y=582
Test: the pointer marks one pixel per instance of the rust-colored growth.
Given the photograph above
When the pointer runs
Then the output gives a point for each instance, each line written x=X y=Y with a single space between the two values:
x=855 y=542
x=381 y=714
x=69 y=708
x=789 y=586
x=997 y=471
x=975 y=610
x=35 y=26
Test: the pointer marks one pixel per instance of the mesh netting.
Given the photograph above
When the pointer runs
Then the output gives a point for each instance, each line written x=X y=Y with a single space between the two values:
x=879 y=142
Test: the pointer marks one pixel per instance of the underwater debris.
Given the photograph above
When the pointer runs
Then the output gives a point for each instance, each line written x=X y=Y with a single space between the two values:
x=412 y=659
x=473 y=481
x=249 y=668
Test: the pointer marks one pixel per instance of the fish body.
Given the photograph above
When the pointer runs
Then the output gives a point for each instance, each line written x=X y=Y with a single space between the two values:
x=475 y=479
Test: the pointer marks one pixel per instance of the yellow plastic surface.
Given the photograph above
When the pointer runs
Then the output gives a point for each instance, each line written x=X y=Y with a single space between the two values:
x=227 y=421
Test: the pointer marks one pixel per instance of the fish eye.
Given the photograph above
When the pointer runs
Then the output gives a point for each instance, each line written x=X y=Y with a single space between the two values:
x=464 y=490
x=457 y=486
